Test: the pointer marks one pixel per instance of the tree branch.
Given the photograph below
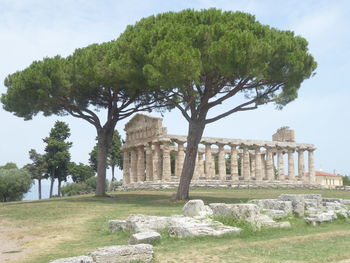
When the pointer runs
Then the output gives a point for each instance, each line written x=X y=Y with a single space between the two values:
x=243 y=106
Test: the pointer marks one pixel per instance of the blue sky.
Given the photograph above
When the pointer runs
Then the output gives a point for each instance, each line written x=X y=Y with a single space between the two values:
x=33 y=29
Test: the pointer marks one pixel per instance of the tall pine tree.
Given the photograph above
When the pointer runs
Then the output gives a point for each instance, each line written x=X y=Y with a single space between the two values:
x=57 y=156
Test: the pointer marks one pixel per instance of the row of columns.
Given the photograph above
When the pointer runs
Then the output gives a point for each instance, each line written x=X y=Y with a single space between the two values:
x=151 y=162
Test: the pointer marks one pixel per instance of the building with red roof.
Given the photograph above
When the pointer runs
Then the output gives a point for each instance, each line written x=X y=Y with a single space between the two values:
x=329 y=180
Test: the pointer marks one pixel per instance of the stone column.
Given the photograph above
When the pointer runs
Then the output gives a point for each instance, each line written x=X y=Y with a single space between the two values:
x=280 y=167
x=149 y=162
x=263 y=165
x=241 y=164
x=269 y=164
x=222 y=163
x=252 y=166
x=312 y=176
x=166 y=173
x=180 y=158
x=157 y=164
x=126 y=167
x=291 y=173
x=258 y=168
x=201 y=164
x=196 y=173
x=209 y=174
x=246 y=163
x=140 y=164
x=301 y=166
x=234 y=164
x=133 y=164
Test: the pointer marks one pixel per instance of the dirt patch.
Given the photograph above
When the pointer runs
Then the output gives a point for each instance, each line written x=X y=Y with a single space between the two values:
x=12 y=242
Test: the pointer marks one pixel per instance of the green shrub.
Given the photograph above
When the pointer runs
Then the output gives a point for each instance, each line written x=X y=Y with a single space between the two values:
x=14 y=183
x=91 y=182
x=70 y=189
x=89 y=186
x=116 y=184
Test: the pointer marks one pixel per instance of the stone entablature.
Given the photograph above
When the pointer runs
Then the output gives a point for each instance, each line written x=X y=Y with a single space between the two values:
x=148 y=147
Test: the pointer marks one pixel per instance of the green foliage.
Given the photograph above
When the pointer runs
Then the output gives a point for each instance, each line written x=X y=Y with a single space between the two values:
x=80 y=172
x=93 y=158
x=90 y=79
x=70 y=189
x=115 y=154
x=115 y=185
x=9 y=166
x=83 y=187
x=37 y=168
x=14 y=183
x=57 y=154
x=91 y=182
x=197 y=60
x=346 y=180
x=199 y=55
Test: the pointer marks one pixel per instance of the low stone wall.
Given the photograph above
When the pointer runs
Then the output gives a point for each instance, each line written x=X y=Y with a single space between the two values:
x=217 y=184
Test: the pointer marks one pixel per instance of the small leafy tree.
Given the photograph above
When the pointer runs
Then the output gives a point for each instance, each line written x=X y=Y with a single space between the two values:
x=37 y=168
x=14 y=183
x=115 y=154
x=198 y=60
x=80 y=172
x=93 y=158
x=57 y=156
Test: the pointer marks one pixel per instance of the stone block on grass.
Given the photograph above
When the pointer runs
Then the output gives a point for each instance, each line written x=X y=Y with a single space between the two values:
x=79 y=259
x=148 y=237
x=119 y=254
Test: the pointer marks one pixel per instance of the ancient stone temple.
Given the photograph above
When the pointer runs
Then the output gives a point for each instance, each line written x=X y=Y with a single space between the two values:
x=153 y=157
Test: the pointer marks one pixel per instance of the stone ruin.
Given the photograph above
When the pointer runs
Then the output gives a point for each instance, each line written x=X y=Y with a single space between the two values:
x=148 y=147
x=198 y=219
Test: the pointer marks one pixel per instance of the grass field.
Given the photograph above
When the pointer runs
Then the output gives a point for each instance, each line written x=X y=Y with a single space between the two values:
x=65 y=227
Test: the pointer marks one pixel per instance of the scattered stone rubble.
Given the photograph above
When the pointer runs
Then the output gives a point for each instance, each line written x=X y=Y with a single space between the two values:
x=197 y=221
x=312 y=207
x=178 y=225
x=246 y=212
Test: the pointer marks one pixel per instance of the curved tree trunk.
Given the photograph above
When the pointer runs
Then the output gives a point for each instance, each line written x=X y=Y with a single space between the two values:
x=105 y=136
x=39 y=188
x=195 y=132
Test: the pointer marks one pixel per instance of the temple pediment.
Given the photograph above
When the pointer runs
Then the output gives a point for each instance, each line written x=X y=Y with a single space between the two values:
x=143 y=128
